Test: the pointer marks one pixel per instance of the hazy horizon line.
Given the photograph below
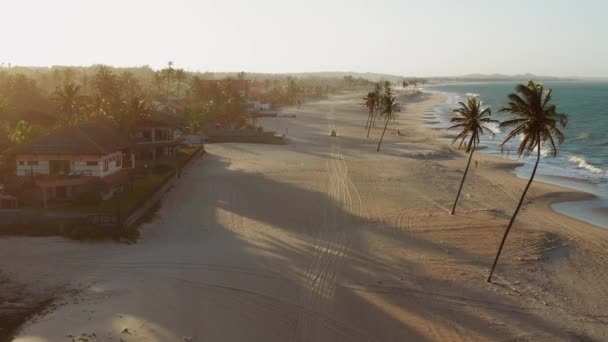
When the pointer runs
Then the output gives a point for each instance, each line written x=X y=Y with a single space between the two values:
x=5 y=65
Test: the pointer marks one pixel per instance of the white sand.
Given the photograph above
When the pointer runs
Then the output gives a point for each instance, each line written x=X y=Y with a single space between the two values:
x=325 y=239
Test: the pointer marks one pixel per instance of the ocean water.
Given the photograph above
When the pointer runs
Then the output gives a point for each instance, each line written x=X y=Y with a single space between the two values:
x=582 y=160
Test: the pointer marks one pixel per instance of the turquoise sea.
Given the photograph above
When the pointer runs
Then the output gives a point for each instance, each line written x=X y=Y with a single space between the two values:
x=582 y=160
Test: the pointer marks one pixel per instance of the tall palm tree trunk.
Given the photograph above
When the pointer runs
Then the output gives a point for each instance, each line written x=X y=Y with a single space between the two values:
x=462 y=182
x=521 y=200
x=369 y=119
x=371 y=124
x=381 y=137
x=369 y=127
x=168 y=87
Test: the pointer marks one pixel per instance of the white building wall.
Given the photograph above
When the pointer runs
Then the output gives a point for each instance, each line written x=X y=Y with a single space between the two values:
x=78 y=165
x=114 y=161
x=41 y=167
x=81 y=166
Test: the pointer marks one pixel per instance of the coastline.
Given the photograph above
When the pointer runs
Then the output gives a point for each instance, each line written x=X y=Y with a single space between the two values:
x=251 y=226
x=570 y=206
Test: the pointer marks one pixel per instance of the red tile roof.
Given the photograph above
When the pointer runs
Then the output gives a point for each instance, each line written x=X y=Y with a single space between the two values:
x=91 y=138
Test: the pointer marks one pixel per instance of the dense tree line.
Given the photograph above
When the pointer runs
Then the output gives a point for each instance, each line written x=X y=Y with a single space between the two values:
x=34 y=101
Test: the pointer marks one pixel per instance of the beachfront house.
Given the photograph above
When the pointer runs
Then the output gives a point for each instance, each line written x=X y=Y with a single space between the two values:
x=89 y=158
x=156 y=137
x=257 y=106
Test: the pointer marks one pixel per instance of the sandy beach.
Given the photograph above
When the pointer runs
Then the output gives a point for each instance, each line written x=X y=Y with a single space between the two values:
x=325 y=239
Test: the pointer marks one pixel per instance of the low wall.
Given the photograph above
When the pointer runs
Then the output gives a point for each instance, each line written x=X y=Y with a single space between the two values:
x=249 y=139
x=32 y=217
x=158 y=194
x=31 y=222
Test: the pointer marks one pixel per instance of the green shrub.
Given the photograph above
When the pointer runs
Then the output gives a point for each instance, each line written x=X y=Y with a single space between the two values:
x=160 y=169
x=90 y=198
x=84 y=230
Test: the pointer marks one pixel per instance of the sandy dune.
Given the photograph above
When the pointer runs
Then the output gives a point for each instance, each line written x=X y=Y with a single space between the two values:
x=325 y=239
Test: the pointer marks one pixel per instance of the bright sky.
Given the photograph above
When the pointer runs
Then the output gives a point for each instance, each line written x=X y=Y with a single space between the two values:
x=405 y=37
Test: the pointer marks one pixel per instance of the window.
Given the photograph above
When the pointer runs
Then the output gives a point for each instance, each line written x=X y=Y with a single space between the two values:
x=59 y=167
x=92 y=163
x=32 y=163
x=21 y=162
x=118 y=160
x=106 y=165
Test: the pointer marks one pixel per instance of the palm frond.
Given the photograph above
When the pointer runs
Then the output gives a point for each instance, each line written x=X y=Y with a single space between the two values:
x=537 y=118
x=471 y=119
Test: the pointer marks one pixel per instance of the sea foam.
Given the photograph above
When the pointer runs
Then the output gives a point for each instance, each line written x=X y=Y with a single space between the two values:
x=583 y=164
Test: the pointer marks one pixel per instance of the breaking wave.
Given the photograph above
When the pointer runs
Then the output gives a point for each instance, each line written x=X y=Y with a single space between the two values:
x=583 y=164
x=494 y=127
x=582 y=136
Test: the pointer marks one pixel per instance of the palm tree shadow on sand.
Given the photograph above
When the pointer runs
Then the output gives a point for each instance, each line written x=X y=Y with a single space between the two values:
x=342 y=285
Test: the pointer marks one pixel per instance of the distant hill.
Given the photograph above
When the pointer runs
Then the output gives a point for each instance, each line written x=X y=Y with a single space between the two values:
x=320 y=74
x=339 y=74
x=397 y=78
x=499 y=77
x=371 y=76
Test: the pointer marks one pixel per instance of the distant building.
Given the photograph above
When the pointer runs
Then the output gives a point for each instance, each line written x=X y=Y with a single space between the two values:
x=156 y=137
x=256 y=90
x=172 y=107
x=257 y=106
x=93 y=156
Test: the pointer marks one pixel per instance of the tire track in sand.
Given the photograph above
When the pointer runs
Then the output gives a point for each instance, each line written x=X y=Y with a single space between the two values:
x=331 y=245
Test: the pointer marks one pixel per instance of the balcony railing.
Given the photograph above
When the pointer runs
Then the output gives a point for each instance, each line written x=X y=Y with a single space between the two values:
x=31 y=173
x=141 y=140
x=82 y=173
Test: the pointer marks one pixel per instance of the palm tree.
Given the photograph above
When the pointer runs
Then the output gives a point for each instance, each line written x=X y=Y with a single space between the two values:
x=3 y=108
x=158 y=81
x=134 y=109
x=369 y=103
x=69 y=101
x=180 y=77
x=196 y=119
x=537 y=123
x=21 y=133
x=129 y=84
x=389 y=110
x=99 y=107
x=378 y=102
x=472 y=119
x=106 y=90
x=168 y=74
